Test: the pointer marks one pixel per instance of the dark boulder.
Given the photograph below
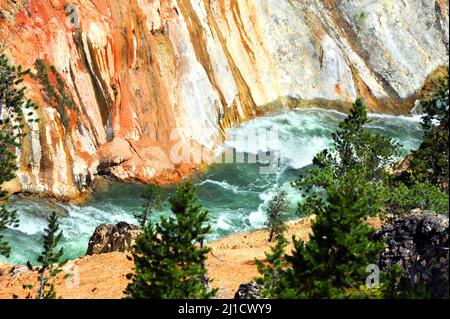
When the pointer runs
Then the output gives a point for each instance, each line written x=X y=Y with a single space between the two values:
x=252 y=290
x=419 y=244
x=109 y=238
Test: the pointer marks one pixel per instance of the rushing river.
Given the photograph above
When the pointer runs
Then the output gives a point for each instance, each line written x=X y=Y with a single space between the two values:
x=234 y=194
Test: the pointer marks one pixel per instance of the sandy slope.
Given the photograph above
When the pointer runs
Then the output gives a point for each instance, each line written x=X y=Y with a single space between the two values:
x=231 y=261
x=230 y=264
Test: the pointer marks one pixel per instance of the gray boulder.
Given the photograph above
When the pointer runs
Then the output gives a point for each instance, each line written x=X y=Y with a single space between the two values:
x=419 y=244
x=252 y=290
x=109 y=238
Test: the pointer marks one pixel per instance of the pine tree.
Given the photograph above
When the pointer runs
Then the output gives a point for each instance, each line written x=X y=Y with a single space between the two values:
x=424 y=184
x=403 y=198
x=169 y=257
x=332 y=263
x=276 y=212
x=49 y=259
x=358 y=148
x=430 y=162
x=336 y=256
x=355 y=150
x=154 y=198
x=272 y=270
x=12 y=106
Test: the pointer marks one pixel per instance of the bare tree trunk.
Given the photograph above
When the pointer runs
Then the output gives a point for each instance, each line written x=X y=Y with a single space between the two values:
x=205 y=279
x=271 y=235
x=41 y=285
x=42 y=280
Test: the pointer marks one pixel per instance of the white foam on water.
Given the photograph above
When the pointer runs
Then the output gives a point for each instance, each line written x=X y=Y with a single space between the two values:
x=83 y=220
x=300 y=134
x=258 y=218
x=29 y=225
x=222 y=223
x=415 y=118
x=223 y=184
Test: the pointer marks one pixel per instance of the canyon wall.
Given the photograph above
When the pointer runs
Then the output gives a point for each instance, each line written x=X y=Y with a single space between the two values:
x=122 y=84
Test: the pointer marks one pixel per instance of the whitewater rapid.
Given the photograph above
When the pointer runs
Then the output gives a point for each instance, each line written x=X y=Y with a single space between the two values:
x=235 y=194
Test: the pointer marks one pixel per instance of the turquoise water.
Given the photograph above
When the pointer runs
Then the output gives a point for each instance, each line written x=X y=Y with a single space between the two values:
x=234 y=194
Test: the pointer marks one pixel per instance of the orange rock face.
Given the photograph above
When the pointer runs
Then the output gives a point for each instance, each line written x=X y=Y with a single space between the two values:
x=130 y=88
x=120 y=63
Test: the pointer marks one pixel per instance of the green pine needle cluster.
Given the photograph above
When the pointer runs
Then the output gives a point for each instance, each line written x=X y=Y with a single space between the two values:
x=276 y=215
x=57 y=97
x=357 y=152
x=430 y=161
x=154 y=198
x=170 y=256
x=49 y=260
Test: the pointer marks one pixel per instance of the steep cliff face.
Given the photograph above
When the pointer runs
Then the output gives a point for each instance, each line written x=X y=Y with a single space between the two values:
x=122 y=85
